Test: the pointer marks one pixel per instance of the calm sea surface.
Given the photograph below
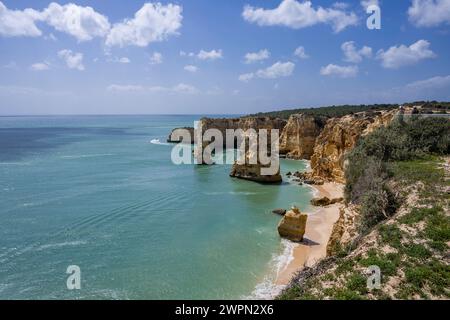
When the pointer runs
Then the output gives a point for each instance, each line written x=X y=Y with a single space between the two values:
x=101 y=192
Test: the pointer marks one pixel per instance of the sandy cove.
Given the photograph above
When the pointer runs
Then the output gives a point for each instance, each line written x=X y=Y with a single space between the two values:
x=318 y=231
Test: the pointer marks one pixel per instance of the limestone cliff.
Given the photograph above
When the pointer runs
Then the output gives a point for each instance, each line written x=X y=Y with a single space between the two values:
x=298 y=138
x=338 y=137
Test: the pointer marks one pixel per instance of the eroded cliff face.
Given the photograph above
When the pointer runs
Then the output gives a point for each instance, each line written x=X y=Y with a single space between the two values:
x=257 y=123
x=339 y=137
x=298 y=138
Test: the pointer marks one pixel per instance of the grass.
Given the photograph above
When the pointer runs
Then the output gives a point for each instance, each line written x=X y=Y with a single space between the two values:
x=417 y=251
x=419 y=214
x=433 y=274
x=391 y=234
x=417 y=262
x=388 y=262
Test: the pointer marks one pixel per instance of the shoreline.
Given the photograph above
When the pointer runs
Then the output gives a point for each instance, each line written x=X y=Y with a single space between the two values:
x=318 y=231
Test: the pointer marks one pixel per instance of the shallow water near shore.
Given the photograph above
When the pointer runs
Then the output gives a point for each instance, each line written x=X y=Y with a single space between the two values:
x=101 y=192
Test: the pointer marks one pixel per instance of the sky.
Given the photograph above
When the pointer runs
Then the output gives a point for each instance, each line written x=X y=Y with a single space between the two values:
x=217 y=56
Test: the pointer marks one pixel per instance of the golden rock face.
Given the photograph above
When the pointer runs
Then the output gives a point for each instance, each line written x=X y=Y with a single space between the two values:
x=293 y=225
x=299 y=136
x=339 y=137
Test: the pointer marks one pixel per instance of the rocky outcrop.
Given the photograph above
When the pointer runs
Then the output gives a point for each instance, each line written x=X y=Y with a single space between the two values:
x=175 y=138
x=293 y=225
x=338 y=137
x=344 y=230
x=325 y=201
x=253 y=172
x=299 y=135
x=257 y=123
x=248 y=170
x=280 y=212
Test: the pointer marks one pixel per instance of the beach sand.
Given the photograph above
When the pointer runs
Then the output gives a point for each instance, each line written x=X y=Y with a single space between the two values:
x=318 y=230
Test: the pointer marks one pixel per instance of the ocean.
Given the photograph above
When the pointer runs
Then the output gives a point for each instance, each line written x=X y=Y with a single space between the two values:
x=101 y=192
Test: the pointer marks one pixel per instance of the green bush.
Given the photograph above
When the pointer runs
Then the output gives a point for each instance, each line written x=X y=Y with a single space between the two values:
x=367 y=173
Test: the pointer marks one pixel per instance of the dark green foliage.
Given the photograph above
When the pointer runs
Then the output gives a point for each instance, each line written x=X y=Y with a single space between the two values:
x=370 y=160
x=434 y=274
x=417 y=251
x=391 y=235
x=388 y=263
x=331 y=111
x=419 y=214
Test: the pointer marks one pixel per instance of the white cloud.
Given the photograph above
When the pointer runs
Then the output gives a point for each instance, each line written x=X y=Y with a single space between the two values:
x=191 y=68
x=15 y=23
x=153 y=22
x=74 y=60
x=297 y=15
x=84 y=23
x=351 y=54
x=340 y=71
x=399 y=56
x=301 y=53
x=124 y=88
x=40 y=66
x=210 y=55
x=429 y=13
x=181 y=88
x=252 y=57
x=431 y=83
x=156 y=58
x=246 y=77
x=341 y=5
x=367 y=3
x=277 y=70
x=185 y=88
x=124 y=60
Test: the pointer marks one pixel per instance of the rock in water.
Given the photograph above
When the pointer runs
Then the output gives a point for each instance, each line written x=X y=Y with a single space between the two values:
x=293 y=225
x=281 y=212
x=252 y=172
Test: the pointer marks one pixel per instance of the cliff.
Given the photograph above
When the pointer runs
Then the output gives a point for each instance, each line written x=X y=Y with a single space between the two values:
x=338 y=137
x=298 y=138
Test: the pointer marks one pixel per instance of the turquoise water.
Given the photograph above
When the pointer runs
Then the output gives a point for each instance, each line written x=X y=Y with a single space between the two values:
x=94 y=191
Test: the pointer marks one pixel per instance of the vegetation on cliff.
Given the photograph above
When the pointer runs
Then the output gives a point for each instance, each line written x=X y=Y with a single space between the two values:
x=329 y=111
x=343 y=110
x=371 y=161
x=399 y=176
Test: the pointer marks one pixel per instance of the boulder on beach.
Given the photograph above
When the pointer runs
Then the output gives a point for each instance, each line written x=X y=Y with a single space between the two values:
x=325 y=201
x=293 y=225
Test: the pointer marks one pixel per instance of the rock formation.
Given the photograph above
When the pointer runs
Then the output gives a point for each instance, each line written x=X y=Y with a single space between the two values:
x=344 y=230
x=280 y=212
x=325 y=201
x=174 y=137
x=338 y=137
x=299 y=135
x=293 y=225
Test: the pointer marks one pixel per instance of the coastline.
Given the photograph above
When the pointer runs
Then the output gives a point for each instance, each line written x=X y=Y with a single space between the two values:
x=318 y=231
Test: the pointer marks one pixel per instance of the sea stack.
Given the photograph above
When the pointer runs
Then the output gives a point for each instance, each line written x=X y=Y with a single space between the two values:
x=293 y=225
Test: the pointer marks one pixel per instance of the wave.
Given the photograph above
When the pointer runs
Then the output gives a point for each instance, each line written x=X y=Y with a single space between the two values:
x=157 y=142
x=61 y=244
x=268 y=289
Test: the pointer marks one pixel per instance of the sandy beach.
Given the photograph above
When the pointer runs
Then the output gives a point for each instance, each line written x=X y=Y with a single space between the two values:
x=318 y=230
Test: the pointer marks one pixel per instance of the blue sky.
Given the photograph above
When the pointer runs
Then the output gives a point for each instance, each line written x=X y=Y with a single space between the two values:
x=218 y=57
